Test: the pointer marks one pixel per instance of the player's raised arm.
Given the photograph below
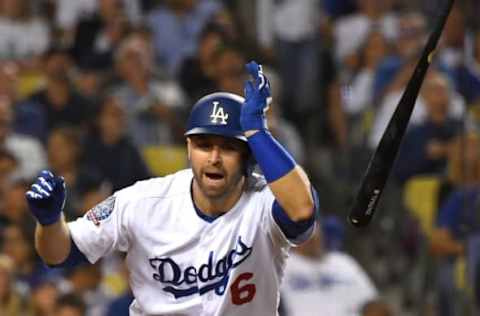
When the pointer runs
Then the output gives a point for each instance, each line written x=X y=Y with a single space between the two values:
x=287 y=180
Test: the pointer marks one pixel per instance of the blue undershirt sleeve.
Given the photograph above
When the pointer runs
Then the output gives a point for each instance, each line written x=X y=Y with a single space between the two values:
x=293 y=230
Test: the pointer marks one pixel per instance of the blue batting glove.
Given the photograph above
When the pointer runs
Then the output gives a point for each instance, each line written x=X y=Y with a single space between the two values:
x=257 y=94
x=46 y=198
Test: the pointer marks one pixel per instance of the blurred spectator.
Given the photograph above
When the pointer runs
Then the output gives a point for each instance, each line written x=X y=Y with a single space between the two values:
x=289 y=30
x=120 y=305
x=376 y=308
x=84 y=281
x=69 y=13
x=361 y=91
x=454 y=54
x=412 y=33
x=458 y=230
x=229 y=69
x=11 y=303
x=23 y=35
x=55 y=105
x=109 y=150
x=152 y=105
x=8 y=165
x=43 y=299
x=70 y=305
x=14 y=209
x=284 y=131
x=196 y=73
x=28 y=152
x=90 y=81
x=98 y=36
x=329 y=282
x=17 y=243
x=352 y=30
x=455 y=109
x=64 y=158
x=426 y=145
x=176 y=27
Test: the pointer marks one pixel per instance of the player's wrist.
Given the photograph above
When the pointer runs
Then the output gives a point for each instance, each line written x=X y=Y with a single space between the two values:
x=47 y=219
x=273 y=159
x=250 y=133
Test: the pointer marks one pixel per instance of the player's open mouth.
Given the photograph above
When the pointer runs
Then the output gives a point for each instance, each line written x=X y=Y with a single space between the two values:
x=214 y=176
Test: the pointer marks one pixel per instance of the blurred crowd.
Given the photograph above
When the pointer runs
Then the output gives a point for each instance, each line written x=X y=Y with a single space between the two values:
x=98 y=91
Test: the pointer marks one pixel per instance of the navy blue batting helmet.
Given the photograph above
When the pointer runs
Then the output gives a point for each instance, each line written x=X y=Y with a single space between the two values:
x=218 y=114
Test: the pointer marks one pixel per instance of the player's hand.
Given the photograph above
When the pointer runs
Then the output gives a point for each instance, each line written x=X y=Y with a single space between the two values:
x=46 y=198
x=257 y=98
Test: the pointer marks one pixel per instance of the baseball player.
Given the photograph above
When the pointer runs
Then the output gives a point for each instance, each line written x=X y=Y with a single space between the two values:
x=209 y=240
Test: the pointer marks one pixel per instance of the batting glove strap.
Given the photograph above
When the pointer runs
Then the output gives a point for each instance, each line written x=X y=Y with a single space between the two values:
x=46 y=198
x=257 y=97
x=273 y=159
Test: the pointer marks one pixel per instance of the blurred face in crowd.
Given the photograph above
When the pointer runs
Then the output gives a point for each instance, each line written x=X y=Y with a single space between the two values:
x=111 y=121
x=57 y=66
x=17 y=246
x=135 y=57
x=6 y=117
x=63 y=150
x=376 y=49
x=16 y=208
x=89 y=82
x=230 y=73
x=411 y=34
x=13 y=8
x=372 y=8
x=68 y=311
x=436 y=93
x=44 y=298
x=207 y=47
x=110 y=9
x=86 y=277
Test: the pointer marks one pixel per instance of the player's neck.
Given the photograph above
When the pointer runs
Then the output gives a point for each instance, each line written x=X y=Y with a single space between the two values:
x=216 y=206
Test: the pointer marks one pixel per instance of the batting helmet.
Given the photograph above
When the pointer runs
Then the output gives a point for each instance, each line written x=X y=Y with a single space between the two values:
x=217 y=113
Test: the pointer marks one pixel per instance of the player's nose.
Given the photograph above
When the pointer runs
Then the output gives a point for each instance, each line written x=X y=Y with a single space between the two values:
x=215 y=155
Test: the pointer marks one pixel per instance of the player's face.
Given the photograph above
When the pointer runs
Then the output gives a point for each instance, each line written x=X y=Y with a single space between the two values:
x=217 y=164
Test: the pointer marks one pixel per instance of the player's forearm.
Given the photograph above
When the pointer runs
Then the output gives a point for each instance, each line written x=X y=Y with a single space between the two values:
x=289 y=183
x=293 y=193
x=52 y=242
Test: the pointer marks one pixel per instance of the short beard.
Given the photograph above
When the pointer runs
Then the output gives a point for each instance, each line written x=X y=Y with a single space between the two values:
x=228 y=189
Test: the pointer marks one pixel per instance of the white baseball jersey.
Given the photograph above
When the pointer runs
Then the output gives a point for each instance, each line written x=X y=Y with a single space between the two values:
x=332 y=285
x=182 y=263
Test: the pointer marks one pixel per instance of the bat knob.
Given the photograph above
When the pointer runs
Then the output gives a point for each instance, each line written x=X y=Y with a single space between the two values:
x=359 y=222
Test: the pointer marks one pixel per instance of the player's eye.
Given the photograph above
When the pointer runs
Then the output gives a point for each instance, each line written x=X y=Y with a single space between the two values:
x=204 y=145
x=229 y=147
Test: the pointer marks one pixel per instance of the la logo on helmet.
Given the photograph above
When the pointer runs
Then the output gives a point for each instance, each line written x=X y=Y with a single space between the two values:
x=218 y=113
